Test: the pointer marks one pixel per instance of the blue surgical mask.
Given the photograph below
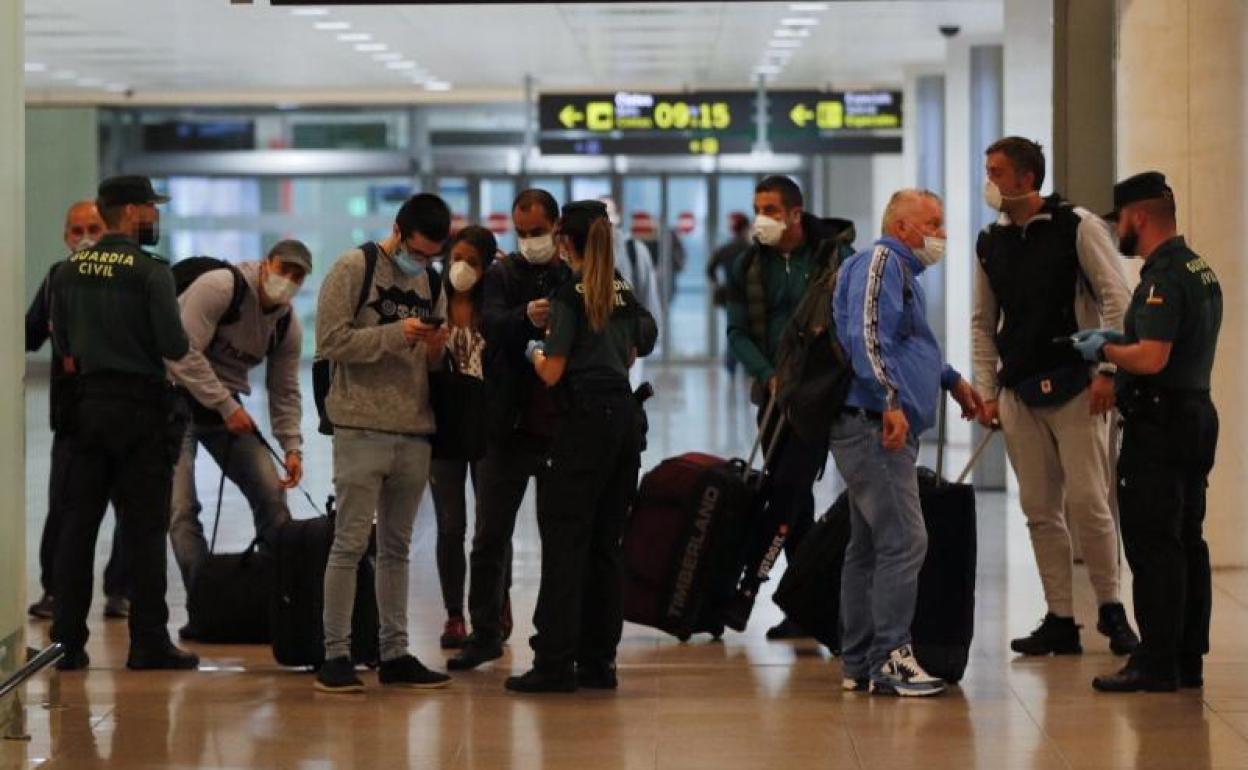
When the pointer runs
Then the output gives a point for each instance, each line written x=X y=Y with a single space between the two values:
x=411 y=266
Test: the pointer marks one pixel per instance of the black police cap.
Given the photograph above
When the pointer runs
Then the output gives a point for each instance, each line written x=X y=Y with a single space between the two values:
x=124 y=190
x=589 y=210
x=1147 y=186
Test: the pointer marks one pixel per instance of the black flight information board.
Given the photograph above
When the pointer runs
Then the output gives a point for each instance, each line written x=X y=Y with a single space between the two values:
x=635 y=122
x=716 y=122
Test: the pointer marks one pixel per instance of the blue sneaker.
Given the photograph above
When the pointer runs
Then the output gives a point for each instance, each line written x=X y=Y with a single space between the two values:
x=902 y=675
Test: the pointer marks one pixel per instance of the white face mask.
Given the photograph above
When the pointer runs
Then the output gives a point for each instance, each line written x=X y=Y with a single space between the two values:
x=932 y=250
x=279 y=288
x=539 y=250
x=83 y=244
x=992 y=195
x=463 y=276
x=995 y=199
x=768 y=231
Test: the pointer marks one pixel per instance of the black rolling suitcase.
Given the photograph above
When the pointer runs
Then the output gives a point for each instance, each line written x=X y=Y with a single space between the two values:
x=810 y=591
x=301 y=551
x=227 y=602
x=944 y=618
x=687 y=542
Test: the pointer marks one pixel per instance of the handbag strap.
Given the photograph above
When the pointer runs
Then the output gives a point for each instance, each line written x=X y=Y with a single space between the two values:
x=282 y=463
x=225 y=466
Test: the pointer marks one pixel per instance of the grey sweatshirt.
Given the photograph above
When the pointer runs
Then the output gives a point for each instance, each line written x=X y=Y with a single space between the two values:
x=380 y=381
x=222 y=356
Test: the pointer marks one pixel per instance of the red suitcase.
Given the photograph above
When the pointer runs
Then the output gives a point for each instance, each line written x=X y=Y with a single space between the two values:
x=687 y=542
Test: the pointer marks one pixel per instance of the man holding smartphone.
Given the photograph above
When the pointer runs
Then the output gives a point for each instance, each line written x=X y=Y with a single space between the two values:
x=378 y=402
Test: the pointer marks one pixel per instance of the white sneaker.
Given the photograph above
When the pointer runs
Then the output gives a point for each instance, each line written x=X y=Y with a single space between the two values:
x=902 y=675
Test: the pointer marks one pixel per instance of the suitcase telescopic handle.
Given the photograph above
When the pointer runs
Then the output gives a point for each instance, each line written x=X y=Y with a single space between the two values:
x=770 y=450
x=940 y=445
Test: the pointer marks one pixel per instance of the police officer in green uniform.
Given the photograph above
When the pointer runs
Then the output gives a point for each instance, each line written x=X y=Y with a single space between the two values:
x=597 y=329
x=115 y=319
x=1170 y=434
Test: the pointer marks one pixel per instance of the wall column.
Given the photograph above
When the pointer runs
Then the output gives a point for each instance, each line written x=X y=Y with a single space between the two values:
x=12 y=355
x=1181 y=103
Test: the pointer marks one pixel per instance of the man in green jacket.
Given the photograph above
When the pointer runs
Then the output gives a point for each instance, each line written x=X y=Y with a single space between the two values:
x=766 y=285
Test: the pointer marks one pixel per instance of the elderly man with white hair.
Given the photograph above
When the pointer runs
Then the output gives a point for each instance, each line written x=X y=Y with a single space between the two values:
x=879 y=308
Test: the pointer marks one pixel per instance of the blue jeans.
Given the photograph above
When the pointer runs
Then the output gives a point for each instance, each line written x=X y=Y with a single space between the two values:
x=887 y=544
x=250 y=467
x=382 y=475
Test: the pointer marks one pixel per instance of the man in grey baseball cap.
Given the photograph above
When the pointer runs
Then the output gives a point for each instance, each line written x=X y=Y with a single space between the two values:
x=237 y=316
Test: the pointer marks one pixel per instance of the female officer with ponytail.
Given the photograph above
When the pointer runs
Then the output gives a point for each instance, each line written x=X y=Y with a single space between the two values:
x=597 y=330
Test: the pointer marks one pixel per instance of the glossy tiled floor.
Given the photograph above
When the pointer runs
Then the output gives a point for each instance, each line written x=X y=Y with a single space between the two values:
x=742 y=703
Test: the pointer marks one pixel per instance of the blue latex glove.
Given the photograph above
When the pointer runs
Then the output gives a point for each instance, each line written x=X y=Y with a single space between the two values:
x=532 y=348
x=1112 y=336
x=1090 y=345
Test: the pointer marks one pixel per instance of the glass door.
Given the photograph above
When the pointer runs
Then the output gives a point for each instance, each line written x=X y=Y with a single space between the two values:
x=641 y=210
x=496 y=195
x=683 y=247
x=734 y=195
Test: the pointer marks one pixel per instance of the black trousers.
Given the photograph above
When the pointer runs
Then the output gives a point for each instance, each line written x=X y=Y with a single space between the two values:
x=116 y=579
x=1168 y=448
x=124 y=436
x=795 y=466
x=502 y=477
x=581 y=508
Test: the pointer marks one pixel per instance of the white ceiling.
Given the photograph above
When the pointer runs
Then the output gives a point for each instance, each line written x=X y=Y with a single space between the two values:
x=197 y=50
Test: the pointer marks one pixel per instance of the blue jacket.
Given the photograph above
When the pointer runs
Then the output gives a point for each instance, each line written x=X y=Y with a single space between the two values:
x=881 y=320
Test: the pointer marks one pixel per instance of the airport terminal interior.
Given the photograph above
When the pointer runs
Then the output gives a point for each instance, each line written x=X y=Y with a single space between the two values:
x=264 y=120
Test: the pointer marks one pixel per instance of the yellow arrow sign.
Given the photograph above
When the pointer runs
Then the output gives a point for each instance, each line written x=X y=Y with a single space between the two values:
x=569 y=116
x=801 y=115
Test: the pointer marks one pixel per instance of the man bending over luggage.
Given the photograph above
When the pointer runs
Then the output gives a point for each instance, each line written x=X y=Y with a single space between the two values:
x=765 y=286
x=238 y=316
x=880 y=315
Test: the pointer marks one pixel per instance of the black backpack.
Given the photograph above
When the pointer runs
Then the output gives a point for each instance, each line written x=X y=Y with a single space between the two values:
x=189 y=270
x=814 y=371
x=322 y=369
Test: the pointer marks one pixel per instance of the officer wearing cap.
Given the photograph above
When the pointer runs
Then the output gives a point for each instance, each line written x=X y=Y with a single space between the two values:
x=115 y=319
x=597 y=330
x=1170 y=433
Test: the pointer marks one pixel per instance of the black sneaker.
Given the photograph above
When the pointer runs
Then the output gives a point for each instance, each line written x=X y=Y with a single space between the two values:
x=43 y=609
x=338 y=676
x=406 y=671
x=164 y=657
x=116 y=607
x=786 y=629
x=73 y=660
x=474 y=653
x=536 y=681
x=1054 y=636
x=1131 y=679
x=1113 y=623
x=597 y=676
